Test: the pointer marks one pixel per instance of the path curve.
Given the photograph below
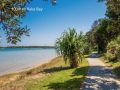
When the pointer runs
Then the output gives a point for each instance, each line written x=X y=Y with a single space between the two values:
x=100 y=77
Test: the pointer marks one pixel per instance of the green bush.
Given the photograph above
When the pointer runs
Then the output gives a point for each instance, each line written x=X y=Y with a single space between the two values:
x=117 y=70
x=113 y=50
x=87 y=49
x=118 y=54
x=72 y=47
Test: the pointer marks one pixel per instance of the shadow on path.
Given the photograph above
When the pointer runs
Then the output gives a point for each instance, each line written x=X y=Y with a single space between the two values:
x=99 y=76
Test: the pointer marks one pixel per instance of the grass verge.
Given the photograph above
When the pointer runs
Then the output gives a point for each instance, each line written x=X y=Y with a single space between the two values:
x=54 y=75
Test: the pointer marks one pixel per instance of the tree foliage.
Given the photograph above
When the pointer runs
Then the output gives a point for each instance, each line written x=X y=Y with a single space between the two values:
x=10 y=19
x=72 y=47
x=90 y=36
x=113 y=50
x=11 y=13
x=107 y=28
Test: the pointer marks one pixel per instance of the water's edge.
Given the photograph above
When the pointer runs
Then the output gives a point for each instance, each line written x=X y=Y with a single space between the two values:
x=18 y=60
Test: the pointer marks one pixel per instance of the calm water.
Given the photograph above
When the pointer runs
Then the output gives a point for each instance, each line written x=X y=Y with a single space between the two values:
x=18 y=59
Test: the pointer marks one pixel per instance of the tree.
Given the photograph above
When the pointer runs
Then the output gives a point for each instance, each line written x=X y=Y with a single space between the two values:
x=102 y=36
x=113 y=14
x=113 y=50
x=71 y=46
x=108 y=28
x=11 y=13
x=90 y=36
x=10 y=19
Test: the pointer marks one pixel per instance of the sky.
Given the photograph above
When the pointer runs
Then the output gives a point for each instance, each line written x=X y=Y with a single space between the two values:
x=47 y=23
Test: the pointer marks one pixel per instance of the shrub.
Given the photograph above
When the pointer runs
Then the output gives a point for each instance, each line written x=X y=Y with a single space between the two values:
x=72 y=47
x=113 y=50
x=87 y=49
x=117 y=70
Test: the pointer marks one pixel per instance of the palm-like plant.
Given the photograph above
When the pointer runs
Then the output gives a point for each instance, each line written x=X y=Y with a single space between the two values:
x=71 y=46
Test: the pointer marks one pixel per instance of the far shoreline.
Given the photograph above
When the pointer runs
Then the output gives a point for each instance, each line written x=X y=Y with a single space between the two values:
x=27 y=46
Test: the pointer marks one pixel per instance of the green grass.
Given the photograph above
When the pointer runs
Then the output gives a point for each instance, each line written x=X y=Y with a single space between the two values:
x=58 y=76
x=67 y=79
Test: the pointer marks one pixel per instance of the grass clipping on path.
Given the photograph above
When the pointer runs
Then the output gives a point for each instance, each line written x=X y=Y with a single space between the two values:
x=54 y=75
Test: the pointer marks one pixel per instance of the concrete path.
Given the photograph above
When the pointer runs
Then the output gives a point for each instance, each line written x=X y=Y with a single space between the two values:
x=99 y=76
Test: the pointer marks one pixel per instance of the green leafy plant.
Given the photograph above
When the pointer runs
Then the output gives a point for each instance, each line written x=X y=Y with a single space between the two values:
x=72 y=47
x=113 y=50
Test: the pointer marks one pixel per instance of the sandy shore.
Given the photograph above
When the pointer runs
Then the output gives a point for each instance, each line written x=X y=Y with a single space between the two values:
x=25 y=69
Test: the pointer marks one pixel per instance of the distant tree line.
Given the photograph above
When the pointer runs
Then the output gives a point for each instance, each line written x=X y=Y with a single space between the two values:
x=28 y=47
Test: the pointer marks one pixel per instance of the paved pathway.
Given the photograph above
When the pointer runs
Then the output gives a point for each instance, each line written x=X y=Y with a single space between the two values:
x=99 y=76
